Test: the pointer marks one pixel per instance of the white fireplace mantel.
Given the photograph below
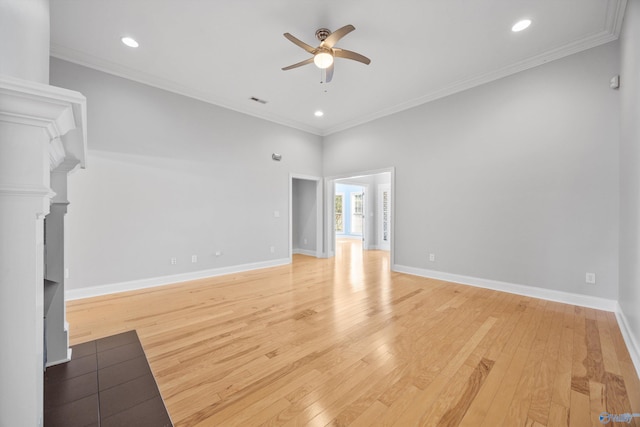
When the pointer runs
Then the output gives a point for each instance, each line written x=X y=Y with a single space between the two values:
x=42 y=139
x=62 y=113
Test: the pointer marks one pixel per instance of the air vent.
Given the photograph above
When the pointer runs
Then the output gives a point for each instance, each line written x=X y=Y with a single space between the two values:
x=261 y=101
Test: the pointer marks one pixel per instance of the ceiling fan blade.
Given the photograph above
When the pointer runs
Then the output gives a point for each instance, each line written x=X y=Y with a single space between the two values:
x=347 y=54
x=337 y=35
x=300 y=43
x=328 y=73
x=299 y=64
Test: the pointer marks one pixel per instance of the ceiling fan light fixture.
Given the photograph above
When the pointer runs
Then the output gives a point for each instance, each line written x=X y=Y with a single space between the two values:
x=323 y=60
x=521 y=25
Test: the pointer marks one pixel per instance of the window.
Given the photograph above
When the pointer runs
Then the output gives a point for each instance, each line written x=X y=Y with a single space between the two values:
x=339 y=213
x=357 y=212
x=385 y=215
x=357 y=204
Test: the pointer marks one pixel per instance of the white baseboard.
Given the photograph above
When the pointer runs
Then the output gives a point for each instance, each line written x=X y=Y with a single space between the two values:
x=377 y=248
x=348 y=236
x=58 y=362
x=94 y=291
x=529 y=291
x=307 y=252
x=632 y=344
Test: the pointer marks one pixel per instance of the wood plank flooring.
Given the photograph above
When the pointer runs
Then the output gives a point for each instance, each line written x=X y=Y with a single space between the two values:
x=347 y=342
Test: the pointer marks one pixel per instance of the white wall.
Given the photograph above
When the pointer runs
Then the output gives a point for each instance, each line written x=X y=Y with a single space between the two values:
x=24 y=39
x=630 y=173
x=515 y=180
x=169 y=176
x=304 y=211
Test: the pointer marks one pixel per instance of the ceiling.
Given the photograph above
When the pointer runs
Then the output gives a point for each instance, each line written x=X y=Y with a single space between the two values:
x=227 y=51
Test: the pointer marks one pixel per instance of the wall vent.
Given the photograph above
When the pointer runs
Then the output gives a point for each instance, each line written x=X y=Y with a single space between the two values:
x=261 y=101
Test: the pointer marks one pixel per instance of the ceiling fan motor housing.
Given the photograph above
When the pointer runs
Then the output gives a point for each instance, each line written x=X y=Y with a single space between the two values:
x=322 y=34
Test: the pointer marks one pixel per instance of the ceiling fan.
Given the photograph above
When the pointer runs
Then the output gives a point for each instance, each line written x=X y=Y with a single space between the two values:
x=324 y=54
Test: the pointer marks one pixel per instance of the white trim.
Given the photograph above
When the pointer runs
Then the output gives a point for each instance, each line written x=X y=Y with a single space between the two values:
x=632 y=344
x=112 y=288
x=348 y=236
x=307 y=252
x=330 y=233
x=512 y=288
x=610 y=32
x=319 y=192
x=58 y=111
x=58 y=362
x=109 y=67
x=27 y=190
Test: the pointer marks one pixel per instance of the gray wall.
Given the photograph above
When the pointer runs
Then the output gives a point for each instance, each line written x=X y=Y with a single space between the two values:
x=304 y=209
x=515 y=180
x=630 y=170
x=169 y=176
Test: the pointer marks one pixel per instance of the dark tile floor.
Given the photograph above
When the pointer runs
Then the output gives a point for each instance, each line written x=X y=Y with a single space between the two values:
x=106 y=383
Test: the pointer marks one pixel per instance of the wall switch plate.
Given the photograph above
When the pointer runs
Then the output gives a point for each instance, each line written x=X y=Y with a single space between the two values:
x=174 y=261
x=276 y=214
x=66 y=273
x=272 y=249
x=304 y=241
x=218 y=253
x=432 y=257
x=194 y=258
x=590 y=278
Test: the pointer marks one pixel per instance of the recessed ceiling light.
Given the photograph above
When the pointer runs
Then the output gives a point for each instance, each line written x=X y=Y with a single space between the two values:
x=129 y=42
x=318 y=113
x=521 y=25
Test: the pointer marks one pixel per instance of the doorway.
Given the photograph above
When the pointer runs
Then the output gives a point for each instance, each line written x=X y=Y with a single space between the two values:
x=350 y=218
x=360 y=209
x=305 y=215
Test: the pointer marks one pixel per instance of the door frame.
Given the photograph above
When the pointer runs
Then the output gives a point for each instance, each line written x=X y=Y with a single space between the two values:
x=329 y=200
x=319 y=220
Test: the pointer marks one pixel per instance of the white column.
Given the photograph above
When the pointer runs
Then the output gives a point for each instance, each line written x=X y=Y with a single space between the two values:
x=23 y=204
x=40 y=128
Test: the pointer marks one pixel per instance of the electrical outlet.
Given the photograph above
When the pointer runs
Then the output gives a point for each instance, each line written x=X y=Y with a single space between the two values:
x=194 y=258
x=174 y=261
x=276 y=214
x=590 y=278
x=272 y=249
x=432 y=257
x=304 y=241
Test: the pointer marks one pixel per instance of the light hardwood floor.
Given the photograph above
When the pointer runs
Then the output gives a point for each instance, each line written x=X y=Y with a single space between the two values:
x=347 y=342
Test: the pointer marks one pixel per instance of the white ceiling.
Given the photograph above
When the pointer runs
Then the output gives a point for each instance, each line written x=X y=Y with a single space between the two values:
x=226 y=51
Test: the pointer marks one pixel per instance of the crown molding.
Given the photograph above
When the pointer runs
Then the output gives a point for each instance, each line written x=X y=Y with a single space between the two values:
x=611 y=28
x=99 y=64
x=611 y=32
